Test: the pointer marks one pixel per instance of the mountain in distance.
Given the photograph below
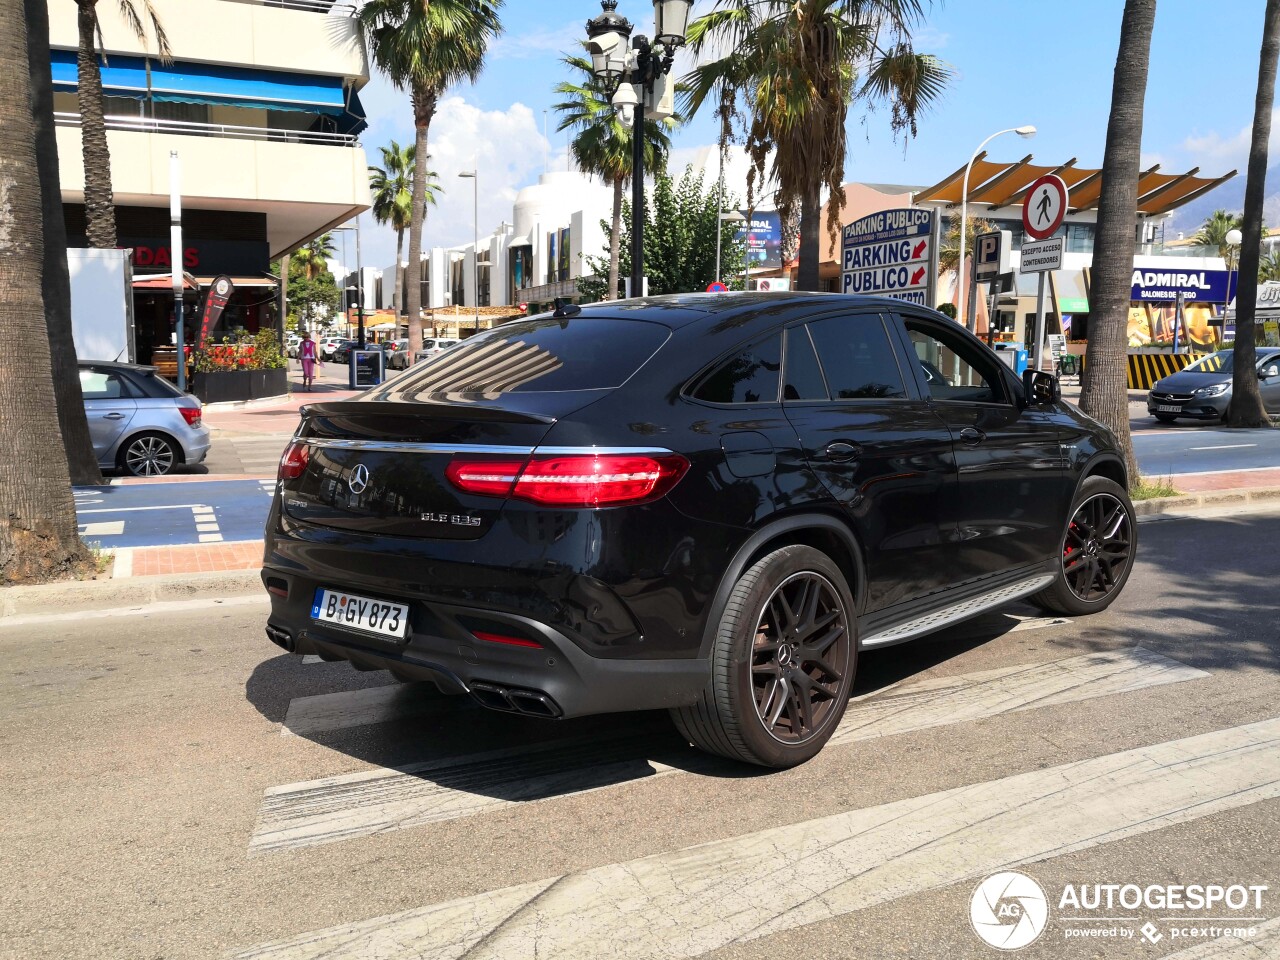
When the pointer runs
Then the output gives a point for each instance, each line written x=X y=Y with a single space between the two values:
x=1229 y=196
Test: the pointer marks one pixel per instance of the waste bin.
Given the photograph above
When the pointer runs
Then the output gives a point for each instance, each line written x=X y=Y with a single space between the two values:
x=366 y=368
x=1014 y=355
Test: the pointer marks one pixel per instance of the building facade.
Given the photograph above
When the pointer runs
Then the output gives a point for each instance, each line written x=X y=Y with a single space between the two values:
x=261 y=105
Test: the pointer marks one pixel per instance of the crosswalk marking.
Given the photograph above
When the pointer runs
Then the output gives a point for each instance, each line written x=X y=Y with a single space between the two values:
x=360 y=804
x=689 y=902
x=1264 y=946
x=356 y=708
x=103 y=528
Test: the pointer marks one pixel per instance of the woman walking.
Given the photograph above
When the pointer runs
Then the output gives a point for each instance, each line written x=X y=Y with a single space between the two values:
x=310 y=357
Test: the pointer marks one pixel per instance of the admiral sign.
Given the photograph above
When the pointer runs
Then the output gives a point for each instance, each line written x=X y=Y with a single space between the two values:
x=1204 y=286
x=889 y=254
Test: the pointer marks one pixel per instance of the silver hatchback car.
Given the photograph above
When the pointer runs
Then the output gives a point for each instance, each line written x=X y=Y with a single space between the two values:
x=138 y=421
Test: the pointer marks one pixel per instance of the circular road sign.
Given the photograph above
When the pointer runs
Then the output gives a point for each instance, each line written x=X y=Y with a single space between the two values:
x=1045 y=207
x=524 y=308
x=716 y=287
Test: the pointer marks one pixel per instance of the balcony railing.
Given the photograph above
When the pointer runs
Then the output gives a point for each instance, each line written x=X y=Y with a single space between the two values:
x=313 y=6
x=225 y=130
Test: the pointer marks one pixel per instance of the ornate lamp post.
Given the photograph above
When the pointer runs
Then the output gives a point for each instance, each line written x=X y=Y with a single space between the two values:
x=637 y=72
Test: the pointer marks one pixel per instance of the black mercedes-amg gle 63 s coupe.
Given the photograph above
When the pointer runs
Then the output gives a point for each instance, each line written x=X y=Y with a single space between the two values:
x=709 y=504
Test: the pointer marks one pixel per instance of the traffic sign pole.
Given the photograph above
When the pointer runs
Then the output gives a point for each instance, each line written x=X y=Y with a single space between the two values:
x=1040 y=331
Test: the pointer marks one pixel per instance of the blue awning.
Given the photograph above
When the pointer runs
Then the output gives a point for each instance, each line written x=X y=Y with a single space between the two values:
x=207 y=83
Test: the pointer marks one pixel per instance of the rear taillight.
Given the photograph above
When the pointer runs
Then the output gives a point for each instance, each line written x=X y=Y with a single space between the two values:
x=294 y=462
x=593 y=480
x=191 y=415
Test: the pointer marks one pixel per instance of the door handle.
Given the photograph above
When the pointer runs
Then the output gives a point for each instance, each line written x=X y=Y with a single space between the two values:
x=113 y=416
x=843 y=452
x=972 y=436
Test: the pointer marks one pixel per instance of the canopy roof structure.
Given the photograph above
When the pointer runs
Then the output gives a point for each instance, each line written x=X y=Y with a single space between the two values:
x=1005 y=184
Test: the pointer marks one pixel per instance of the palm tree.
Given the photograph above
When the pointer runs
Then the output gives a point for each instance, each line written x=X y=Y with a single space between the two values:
x=426 y=46
x=796 y=63
x=99 y=203
x=392 y=186
x=1269 y=267
x=311 y=256
x=1213 y=232
x=1246 y=408
x=38 y=534
x=949 y=254
x=602 y=145
x=1105 y=395
x=56 y=282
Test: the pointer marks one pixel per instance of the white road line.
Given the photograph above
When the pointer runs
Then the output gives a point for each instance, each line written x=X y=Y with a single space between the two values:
x=689 y=902
x=147 y=610
x=312 y=658
x=176 y=506
x=358 y=708
x=210 y=538
x=1226 y=446
x=374 y=801
x=103 y=528
x=1264 y=946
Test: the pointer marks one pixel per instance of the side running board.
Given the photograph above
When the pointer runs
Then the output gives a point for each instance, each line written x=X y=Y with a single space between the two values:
x=963 y=610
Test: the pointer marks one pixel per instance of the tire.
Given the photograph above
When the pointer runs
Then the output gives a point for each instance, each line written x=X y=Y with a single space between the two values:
x=1076 y=592
x=148 y=455
x=1166 y=417
x=751 y=680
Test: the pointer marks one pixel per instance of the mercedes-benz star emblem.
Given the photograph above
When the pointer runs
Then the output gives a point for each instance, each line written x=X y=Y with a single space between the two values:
x=359 y=479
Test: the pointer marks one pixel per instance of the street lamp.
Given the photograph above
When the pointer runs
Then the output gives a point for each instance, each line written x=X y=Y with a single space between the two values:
x=631 y=67
x=473 y=176
x=1025 y=132
x=1233 y=240
x=734 y=216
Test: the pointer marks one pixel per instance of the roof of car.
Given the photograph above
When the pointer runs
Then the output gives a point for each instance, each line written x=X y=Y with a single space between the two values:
x=682 y=309
x=117 y=365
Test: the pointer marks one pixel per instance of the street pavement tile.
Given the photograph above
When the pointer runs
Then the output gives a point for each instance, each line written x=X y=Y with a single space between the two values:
x=360 y=804
x=688 y=902
x=204 y=558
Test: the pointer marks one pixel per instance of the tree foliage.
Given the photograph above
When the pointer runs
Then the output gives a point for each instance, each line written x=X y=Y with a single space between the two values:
x=311 y=298
x=681 y=219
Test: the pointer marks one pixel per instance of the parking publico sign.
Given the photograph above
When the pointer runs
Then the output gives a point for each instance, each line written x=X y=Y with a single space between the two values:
x=890 y=254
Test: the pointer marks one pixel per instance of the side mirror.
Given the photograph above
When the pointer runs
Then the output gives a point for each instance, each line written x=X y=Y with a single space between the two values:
x=1041 y=388
x=1268 y=372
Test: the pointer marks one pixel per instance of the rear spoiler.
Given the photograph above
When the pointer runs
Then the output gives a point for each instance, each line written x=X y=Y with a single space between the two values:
x=471 y=413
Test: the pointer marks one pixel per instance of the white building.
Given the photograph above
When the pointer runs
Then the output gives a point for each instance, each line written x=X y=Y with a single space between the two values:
x=261 y=104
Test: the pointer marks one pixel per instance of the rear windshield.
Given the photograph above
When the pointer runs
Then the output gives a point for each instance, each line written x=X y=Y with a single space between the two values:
x=155 y=386
x=539 y=355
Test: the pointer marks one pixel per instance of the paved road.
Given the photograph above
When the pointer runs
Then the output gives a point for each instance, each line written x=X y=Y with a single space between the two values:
x=173 y=513
x=174 y=786
x=1204 y=449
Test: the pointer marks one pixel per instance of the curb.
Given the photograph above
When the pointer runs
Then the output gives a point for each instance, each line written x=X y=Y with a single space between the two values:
x=249 y=404
x=1207 y=500
x=71 y=597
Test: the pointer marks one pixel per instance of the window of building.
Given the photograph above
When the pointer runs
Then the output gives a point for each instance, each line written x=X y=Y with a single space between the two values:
x=750 y=376
x=857 y=358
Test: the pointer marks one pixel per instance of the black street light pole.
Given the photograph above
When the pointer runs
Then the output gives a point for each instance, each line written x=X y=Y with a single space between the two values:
x=635 y=71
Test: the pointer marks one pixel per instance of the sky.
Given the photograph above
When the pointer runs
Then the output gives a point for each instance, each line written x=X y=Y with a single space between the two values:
x=1015 y=62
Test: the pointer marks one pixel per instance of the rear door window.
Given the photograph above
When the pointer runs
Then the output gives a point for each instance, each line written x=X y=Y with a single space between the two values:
x=749 y=376
x=104 y=385
x=803 y=374
x=857 y=357
x=536 y=356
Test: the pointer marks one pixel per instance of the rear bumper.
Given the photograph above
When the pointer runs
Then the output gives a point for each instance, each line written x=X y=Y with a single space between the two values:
x=556 y=679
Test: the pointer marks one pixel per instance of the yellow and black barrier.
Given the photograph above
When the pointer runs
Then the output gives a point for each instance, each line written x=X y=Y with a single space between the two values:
x=1146 y=368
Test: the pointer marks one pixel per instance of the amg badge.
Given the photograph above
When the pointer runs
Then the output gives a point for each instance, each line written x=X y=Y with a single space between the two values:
x=456 y=520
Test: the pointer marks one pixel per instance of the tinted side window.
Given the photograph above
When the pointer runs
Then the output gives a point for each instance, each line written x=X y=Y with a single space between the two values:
x=750 y=376
x=804 y=376
x=953 y=369
x=857 y=357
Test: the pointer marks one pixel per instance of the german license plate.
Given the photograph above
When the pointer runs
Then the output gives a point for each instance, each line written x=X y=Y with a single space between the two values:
x=1169 y=408
x=352 y=612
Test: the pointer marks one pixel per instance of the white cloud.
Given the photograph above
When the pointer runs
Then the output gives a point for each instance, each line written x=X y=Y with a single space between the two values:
x=556 y=41
x=1216 y=152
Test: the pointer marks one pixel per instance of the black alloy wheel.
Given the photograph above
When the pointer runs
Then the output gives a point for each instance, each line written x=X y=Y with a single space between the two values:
x=1097 y=551
x=1095 y=555
x=801 y=635
x=782 y=663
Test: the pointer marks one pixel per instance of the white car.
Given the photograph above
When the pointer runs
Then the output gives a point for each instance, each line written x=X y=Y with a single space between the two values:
x=328 y=345
x=434 y=345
